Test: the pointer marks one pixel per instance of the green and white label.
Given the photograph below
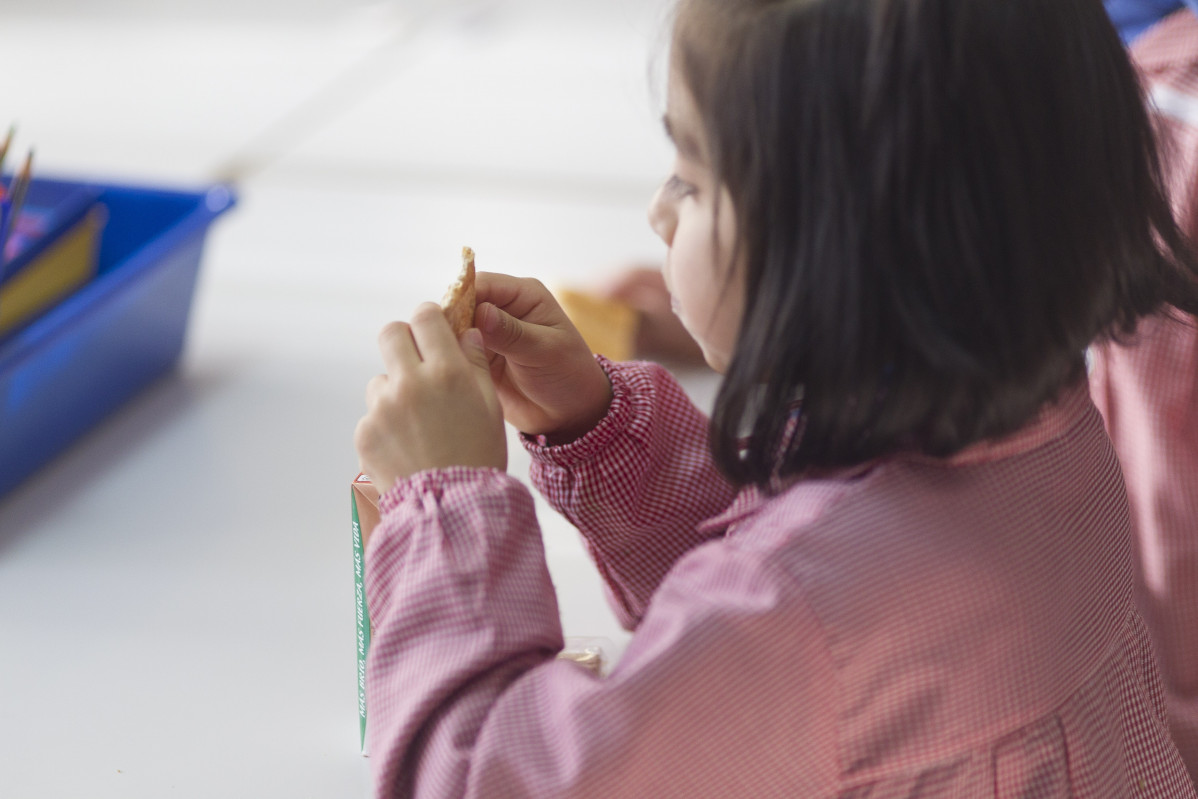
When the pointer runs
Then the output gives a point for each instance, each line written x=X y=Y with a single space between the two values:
x=363 y=615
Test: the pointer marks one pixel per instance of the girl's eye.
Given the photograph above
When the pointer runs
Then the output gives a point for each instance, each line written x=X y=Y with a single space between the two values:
x=678 y=188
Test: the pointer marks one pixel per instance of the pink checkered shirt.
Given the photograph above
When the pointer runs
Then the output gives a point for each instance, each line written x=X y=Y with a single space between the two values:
x=1148 y=394
x=914 y=628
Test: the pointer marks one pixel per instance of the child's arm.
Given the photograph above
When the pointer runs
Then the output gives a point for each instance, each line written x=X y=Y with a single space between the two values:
x=639 y=487
x=723 y=691
x=629 y=465
x=465 y=696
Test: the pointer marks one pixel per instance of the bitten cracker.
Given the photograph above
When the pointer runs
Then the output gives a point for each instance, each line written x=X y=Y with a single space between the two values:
x=458 y=303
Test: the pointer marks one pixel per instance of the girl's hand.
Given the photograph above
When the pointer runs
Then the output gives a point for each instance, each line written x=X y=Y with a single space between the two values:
x=435 y=407
x=547 y=379
x=659 y=332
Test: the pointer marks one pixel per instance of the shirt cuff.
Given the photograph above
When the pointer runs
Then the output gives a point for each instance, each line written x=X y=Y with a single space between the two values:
x=624 y=378
x=433 y=483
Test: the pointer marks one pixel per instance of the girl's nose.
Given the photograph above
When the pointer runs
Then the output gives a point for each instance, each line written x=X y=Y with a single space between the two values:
x=662 y=217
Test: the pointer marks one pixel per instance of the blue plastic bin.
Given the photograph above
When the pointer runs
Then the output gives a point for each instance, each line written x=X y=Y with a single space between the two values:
x=79 y=361
x=51 y=251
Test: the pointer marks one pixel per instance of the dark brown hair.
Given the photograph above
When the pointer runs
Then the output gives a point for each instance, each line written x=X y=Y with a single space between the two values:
x=940 y=204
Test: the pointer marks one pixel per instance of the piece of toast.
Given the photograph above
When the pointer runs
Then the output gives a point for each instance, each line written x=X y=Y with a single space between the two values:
x=608 y=326
x=459 y=300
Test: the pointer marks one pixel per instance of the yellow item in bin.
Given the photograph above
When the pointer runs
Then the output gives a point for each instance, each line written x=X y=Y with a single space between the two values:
x=62 y=267
x=608 y=326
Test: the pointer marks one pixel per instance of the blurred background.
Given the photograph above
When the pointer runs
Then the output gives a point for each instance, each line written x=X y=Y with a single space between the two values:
x=176 y=596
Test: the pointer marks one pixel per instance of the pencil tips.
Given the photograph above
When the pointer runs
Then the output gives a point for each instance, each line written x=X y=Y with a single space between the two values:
x=12 y=200
x=12 y=130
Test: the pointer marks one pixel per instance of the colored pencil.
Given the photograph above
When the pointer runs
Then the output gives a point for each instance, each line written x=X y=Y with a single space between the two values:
x=13 y=203
x=20 y=184
x=12 y=129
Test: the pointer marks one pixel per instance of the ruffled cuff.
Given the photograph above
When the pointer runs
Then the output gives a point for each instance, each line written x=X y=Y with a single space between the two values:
x=473 y=511
x=433 y=483
x=624 y=378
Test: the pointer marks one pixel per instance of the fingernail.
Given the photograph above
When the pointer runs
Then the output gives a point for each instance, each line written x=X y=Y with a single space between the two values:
x=473 y=338
x=486 y=317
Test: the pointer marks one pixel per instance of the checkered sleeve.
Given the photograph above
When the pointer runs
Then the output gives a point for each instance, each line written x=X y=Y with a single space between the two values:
x=467 y=700
x=638 y=486
x=462 y=604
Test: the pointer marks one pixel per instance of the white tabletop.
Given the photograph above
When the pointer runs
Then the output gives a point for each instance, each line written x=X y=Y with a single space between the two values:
x=176 y=593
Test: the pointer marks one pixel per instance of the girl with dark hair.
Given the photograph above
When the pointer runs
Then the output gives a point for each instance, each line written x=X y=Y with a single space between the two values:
x=896 y=561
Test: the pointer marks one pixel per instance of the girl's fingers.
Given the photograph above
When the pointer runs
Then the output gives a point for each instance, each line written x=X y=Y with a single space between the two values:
x=475 y=349
x=374 y=388
x=405 y=345
x=497 y=289
x=433 y=336
x=523 y=298
x=508 y=336
x=398 y=348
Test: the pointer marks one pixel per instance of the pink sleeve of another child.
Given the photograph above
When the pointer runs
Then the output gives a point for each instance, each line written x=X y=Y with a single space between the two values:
x=638 y=486
x=1148 y=395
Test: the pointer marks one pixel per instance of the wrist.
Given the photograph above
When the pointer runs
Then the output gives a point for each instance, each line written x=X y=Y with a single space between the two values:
x=588 y=417
x=628 y=397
